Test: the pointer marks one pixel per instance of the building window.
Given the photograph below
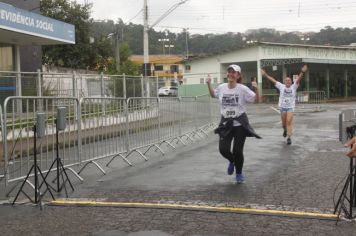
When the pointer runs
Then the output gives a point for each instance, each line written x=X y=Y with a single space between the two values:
x=6 y=58
x=187 y=67
x=158 y=67
x=215 y=80
x=174 y=68
x=202 y=80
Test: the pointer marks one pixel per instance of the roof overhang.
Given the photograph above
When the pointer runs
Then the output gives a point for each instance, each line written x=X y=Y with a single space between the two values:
x=22 y=27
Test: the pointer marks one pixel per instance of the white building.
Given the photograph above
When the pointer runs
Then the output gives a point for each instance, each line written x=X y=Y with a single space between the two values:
x=331 y=68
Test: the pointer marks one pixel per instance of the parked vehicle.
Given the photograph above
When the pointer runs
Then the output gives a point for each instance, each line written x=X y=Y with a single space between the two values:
x=168 y=91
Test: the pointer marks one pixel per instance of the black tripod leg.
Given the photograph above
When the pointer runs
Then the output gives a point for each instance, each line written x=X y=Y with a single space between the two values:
x=49 y=171
x=47 y=185
x=65 y=172
x=64 y=184
x=339 y=205
x=343 y=193
x=23 y=183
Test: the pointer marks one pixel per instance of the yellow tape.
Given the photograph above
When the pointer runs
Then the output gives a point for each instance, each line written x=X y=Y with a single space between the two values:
x=198 y=207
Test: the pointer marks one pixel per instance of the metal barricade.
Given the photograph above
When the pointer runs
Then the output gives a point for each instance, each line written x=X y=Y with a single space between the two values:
x=270 y=98
x=189 y=117
x=170 y=120
x=60 y=85
x=142 y=126
x=19 y=121
x=134 y=86
x=103 y=129
x=98 y=128
x=116 y=85
x=311 y=97
x=204 y=113
x=303 y=97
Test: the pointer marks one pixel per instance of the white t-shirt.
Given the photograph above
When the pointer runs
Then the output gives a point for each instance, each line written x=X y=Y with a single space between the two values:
x=287 y=96
x=233 y=101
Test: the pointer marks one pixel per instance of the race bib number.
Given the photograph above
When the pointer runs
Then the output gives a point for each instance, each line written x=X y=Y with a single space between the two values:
x=230 y=112
x=286 y=101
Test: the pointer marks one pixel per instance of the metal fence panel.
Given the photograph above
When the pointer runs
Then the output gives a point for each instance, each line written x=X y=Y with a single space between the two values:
x=303 y=97
x=170 y=118
x=134 y=86
x=103 y=127
x=142 y=122
x=18 y=128
x=116 y=85
x=188 y=114
x=204 y=110
x=311 y=97
x=59 y=85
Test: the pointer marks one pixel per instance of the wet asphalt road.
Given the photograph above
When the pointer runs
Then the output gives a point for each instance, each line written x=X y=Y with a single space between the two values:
x=300 y=177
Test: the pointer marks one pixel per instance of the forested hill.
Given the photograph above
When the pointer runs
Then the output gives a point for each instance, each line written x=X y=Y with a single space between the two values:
x=106 y=45
x=197 y=44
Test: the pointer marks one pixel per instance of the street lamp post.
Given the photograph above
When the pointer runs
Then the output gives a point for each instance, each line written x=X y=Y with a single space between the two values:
x=251 y=41
x=169 y=48
x=186 y=42
x=305 y=39
x=163 y=45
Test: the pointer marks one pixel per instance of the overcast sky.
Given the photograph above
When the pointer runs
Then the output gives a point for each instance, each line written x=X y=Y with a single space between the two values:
x=221 y=16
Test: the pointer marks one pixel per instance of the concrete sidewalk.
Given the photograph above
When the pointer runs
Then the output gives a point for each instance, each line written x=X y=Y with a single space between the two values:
x=298 y=178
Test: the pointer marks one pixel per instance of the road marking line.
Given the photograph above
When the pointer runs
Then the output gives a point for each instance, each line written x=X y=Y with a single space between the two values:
x=276 y=110
x=197 y=207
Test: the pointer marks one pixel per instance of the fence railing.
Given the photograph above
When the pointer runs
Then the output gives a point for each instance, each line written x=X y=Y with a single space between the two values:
x=303 y=97
x=76 y=85
x=98 y=128
x=19 y=119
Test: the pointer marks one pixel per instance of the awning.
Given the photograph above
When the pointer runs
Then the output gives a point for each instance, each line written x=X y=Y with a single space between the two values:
x=21 y=27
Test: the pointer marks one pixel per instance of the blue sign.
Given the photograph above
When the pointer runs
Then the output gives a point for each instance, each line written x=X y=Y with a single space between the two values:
x=7 y=88
x=18 y=20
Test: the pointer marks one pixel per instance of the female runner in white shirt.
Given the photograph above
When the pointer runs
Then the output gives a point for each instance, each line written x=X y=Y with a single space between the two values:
x=233 y=97
x=287 y=97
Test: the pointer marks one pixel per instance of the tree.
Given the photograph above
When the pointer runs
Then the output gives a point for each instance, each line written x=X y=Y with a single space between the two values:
x=82 y=54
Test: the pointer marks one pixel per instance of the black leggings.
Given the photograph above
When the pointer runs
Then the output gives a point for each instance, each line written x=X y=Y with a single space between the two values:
x=238 y=133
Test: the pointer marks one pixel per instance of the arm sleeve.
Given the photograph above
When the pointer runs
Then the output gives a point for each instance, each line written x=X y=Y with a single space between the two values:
x=249 y=95
x=278 y=85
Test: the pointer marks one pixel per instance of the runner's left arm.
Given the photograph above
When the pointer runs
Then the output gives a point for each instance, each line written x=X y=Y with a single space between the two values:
x=301 y=74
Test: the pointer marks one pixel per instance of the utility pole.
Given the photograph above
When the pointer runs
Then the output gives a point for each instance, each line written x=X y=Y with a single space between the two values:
x=145 y=34
x=146 y=28
x=117 y=50
x=186 y=43
x=145 y=38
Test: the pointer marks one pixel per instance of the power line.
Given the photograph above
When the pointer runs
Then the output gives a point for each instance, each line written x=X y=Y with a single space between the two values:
x=138 y=13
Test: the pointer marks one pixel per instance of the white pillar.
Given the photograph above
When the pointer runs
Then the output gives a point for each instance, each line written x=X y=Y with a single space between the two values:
x=18 y=79
x=18 y=70
x=145 y=46
x=284 y=72
x=259 y=80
